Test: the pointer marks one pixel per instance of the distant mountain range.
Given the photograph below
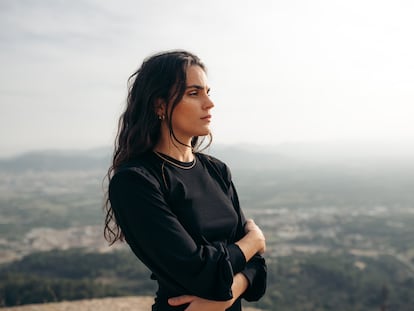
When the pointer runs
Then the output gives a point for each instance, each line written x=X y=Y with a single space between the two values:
x=57 y=160
x=239 y=157
x=99 y=159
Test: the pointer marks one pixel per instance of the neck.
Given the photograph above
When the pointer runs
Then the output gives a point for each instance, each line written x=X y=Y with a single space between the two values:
x=175 y=149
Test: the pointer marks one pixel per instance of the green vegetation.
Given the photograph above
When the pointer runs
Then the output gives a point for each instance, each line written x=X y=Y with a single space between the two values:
x=296 y=283
x=339 y=235
x=318 y=186
x=72 y=274
x=49 y=199
x=335 y=282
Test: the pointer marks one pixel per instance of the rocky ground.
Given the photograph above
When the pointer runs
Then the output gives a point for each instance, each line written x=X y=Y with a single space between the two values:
x=105 y=304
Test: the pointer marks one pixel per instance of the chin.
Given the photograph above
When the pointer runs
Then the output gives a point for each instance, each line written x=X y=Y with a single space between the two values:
x=204 y=133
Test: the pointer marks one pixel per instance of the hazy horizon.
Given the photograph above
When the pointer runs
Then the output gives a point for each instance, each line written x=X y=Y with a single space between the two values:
x=280 y=71
x=324 y=149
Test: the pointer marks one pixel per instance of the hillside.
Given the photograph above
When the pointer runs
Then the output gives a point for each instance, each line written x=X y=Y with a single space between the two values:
x=338 y=230
x=105 y=304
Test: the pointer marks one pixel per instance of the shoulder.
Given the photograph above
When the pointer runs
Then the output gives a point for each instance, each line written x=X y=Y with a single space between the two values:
x=213 y=163
x=206 y=158
x=140 y=170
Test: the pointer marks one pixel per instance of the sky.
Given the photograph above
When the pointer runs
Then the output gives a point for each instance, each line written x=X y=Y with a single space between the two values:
x=279 y=71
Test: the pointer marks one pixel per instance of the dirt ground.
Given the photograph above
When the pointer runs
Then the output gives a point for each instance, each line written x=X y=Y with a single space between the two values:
x=104 y=304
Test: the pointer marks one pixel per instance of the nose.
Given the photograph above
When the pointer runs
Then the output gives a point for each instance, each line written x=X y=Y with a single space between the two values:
x=208 y=104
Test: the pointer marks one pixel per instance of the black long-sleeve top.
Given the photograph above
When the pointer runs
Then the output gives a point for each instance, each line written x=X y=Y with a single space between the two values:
x=181 y=220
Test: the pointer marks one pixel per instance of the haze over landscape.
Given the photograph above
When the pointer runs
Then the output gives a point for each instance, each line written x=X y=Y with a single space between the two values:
x=338 y=229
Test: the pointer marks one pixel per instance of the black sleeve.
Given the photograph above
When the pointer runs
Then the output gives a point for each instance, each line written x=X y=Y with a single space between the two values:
x=256 y=273
x=156 y=236
x=256 y=269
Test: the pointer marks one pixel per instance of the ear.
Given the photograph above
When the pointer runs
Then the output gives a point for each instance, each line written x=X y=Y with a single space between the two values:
x=160 y=107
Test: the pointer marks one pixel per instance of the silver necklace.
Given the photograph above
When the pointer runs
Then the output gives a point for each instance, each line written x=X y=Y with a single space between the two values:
x=176 y=164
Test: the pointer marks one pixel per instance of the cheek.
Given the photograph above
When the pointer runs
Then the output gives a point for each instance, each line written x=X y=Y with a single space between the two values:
x=179 y=117
x=182 y=112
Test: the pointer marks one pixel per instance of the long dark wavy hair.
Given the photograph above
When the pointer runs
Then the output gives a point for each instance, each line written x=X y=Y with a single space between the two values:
x=161 y=77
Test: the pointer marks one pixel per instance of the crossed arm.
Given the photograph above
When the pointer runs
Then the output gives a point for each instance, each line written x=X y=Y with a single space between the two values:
x=240 y=284
x=253 y=242
x=154 y=215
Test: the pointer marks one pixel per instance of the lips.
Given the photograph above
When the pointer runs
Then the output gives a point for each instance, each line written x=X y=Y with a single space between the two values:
x=208 y=117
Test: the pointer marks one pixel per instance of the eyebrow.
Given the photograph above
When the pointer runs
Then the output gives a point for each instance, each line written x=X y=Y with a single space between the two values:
x=198 y=87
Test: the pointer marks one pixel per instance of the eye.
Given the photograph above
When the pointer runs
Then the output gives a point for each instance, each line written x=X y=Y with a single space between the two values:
x=193 y=93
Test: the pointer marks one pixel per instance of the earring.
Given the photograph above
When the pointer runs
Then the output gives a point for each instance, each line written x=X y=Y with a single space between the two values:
x=161 y=117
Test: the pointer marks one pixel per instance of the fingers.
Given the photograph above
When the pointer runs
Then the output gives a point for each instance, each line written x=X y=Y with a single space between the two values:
x=180 y=300
x=250 y=225
x=259 y=238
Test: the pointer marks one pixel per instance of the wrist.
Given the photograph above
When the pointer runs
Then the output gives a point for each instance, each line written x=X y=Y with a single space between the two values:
x=240 y=284
x=249 y=245
x=229 y=303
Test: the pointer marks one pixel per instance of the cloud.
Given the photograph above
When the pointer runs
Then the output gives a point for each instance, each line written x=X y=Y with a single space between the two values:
x=279 y=70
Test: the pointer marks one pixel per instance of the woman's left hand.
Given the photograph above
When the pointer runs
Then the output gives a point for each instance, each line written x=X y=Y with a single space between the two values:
x=200 y=304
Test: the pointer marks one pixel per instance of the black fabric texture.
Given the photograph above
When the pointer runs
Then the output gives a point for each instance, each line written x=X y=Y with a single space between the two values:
x=182 y=224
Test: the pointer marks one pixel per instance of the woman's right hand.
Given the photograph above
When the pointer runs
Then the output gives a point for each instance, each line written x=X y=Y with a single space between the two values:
x=256 y=234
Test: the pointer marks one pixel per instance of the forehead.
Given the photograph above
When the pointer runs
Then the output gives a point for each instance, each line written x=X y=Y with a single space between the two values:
x=196 y=76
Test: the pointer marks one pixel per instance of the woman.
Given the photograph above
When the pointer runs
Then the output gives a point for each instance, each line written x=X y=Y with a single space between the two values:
x=177 y=208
